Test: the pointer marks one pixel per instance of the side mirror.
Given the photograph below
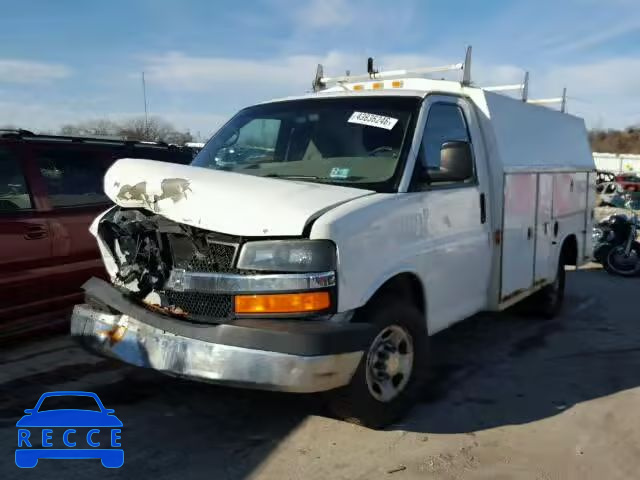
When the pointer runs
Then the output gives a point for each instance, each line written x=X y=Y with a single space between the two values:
x=29 y=411
x=109 y=411
x=456 y=162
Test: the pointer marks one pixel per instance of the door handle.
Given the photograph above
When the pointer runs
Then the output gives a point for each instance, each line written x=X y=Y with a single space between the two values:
x=529 y=233
x=483 y=209
x=35 y=232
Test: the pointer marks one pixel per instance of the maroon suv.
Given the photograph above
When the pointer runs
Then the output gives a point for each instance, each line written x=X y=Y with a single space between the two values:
x=50 y=191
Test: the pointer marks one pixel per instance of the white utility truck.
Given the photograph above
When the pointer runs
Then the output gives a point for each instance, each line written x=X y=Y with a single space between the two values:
x=316 y=242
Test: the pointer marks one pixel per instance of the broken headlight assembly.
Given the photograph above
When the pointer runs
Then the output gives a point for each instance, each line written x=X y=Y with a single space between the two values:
x=288 y=256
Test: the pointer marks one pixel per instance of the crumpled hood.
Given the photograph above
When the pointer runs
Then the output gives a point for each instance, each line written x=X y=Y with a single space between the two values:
x=220 y=201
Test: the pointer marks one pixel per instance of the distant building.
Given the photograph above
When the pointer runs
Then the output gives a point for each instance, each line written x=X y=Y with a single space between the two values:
x=617 y=163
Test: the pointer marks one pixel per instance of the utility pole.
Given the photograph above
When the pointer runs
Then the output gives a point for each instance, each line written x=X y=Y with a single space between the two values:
x=146 y=113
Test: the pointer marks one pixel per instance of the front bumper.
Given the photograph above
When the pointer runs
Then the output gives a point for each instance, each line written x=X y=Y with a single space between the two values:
x=286 y=355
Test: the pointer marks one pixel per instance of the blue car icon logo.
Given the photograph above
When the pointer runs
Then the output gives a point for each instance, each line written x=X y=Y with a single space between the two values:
x=90 y=432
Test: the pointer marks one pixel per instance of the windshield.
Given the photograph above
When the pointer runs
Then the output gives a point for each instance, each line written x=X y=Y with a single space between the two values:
x=359 y=142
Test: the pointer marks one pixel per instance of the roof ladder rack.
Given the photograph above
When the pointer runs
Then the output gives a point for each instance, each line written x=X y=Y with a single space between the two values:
x=545 y=101
x=523 y=87
x=321 y=82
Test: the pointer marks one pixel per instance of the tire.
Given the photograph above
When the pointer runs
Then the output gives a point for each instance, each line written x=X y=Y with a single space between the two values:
x=614 y=268
x=600 y=253
x=548 y=302
x=361 y=402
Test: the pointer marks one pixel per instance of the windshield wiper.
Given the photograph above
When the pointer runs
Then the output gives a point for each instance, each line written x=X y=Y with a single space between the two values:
x=293 y=177
x=313 y=178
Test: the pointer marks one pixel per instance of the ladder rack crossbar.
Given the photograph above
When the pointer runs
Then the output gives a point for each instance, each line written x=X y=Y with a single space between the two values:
x=321 y=82
x=544 y=101
x=391 y=74
x=504 y=88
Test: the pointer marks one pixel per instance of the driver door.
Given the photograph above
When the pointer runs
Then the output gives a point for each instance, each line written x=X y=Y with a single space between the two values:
x=458 y=252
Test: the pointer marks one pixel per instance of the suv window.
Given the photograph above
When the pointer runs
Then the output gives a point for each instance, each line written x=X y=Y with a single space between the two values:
x=73 y=178
x=14 y=194
x=445 y=123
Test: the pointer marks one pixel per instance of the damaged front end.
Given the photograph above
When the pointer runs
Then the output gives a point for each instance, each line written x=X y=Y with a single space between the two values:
x=214 y=307
x=148 y=248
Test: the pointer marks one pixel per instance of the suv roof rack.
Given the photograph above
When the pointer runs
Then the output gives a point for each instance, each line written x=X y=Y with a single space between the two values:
x=321 y=82
x=106 y=140
x=15 y=132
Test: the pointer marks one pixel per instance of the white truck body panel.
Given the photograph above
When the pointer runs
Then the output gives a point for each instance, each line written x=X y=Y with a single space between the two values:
x=536 y=138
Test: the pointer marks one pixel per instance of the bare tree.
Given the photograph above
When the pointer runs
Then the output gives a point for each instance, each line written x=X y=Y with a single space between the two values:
x=99 y=127
x=616 y=141
x=155 y=129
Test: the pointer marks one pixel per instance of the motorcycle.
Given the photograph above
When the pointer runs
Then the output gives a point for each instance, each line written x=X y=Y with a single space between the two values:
x=616 y=247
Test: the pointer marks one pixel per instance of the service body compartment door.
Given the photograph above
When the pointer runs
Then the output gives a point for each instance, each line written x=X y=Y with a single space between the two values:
x=589 y=214
x=569 y=194
x=544 y=267
x=570 y=198
x=518 y=244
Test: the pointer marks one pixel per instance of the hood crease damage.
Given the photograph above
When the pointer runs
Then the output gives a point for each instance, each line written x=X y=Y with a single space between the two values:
x=219 y=201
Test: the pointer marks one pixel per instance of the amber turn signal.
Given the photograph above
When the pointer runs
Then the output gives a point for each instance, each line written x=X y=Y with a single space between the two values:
x=283 y=303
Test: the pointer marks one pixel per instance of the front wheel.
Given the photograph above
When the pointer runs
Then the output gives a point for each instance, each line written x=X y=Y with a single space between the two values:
x=391 y=373
x=618 y=262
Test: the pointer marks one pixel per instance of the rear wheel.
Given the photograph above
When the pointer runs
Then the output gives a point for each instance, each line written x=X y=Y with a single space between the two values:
x=548 y=301
x=392 y=370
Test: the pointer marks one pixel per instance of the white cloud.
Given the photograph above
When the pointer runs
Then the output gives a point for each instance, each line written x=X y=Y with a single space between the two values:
x=597 y=37
x=291 y=74
x=49 y=117
x=324 y=14
x=28 y=72
x=200 y=93
x=603 y=92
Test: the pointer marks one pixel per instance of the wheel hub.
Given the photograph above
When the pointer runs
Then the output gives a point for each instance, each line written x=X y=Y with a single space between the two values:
x=393 y=364
x=389 y=363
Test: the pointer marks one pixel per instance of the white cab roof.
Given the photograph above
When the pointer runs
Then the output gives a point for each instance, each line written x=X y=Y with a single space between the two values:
x=519 y=135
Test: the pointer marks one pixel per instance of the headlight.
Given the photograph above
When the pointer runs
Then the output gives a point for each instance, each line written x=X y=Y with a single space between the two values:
x=288 y=256
x=596 y=234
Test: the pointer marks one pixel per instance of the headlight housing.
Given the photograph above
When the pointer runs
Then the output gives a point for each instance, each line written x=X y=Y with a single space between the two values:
x=288 y=256
x=597 y=234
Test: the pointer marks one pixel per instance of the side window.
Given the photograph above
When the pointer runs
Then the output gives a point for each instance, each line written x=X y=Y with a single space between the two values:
x=14 y=194
x=446 y=127
x=73 y=178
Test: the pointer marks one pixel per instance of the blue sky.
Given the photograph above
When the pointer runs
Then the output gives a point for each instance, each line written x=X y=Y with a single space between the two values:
x=66 y=61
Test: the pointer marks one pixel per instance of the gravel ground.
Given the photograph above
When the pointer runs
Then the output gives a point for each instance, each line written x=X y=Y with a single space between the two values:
x=512 y=397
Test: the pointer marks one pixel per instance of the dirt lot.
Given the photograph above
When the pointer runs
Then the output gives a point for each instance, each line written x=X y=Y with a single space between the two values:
x=513 y=397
